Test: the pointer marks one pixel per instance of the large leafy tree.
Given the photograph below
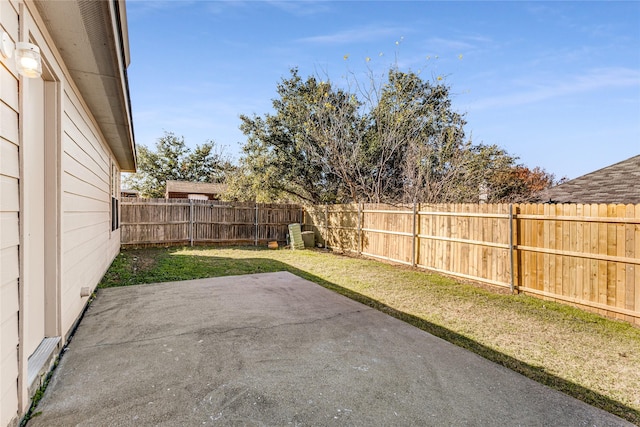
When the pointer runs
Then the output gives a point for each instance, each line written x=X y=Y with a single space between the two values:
x=173 y=160
x=397 y=140
x=277 y=163
x=419 y=138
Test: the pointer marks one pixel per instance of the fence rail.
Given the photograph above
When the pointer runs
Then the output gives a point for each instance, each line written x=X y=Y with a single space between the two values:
x=586 y=255
x=160 y=221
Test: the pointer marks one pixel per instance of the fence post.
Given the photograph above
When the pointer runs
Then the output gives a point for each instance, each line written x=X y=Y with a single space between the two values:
x=326 y=226
x=256 y=227
x=511 y=248
x=414 y=241
x=191 y=222
x=359 y=229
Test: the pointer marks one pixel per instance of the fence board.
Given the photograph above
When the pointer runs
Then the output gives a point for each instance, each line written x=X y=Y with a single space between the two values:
x=602 y=265
x=594 y=249
x=549 y=242
x=636 y=238
x=584 y=265
x=161 y=221
x=558 y=262
x=585 y=255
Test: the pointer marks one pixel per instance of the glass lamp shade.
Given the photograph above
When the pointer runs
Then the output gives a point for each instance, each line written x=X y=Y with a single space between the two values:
x=6 y=46
x=28 y=60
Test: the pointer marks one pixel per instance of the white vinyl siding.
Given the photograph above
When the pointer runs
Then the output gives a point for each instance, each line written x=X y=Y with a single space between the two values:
x=78 y=177
x=9 y=226
x=87 y=248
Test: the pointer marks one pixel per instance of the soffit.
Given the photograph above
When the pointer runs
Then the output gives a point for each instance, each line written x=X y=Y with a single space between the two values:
x=91 y=37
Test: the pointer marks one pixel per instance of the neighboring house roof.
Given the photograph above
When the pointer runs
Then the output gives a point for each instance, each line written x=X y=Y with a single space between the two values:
x=93 y=40
x=195 y=187
x=618 y=183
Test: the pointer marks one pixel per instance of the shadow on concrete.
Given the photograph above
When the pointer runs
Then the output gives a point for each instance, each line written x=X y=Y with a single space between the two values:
x=536 y=373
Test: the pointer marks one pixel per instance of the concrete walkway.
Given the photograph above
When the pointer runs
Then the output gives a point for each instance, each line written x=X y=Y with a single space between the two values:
x=273 y=349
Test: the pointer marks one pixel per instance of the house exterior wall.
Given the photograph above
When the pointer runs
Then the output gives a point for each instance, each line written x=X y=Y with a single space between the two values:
x=88 y=243
x=9 y=225
x=70 y=223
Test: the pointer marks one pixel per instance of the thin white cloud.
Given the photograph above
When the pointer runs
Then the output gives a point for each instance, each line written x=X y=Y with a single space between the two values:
x=442 y=44
x=478 y=38
x=301 y=8
x=218 y=7
x=453 y=47
x=355 y=35
x=594 y=80
x=149 y=6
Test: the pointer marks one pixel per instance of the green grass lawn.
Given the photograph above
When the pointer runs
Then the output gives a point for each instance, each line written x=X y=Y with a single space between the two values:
x=594 y=359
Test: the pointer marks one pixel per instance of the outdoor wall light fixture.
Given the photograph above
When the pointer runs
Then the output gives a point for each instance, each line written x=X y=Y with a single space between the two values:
x=6 y=46
x=28 y=60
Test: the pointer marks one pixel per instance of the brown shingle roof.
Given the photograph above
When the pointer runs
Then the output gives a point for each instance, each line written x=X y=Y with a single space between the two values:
x=618 y=183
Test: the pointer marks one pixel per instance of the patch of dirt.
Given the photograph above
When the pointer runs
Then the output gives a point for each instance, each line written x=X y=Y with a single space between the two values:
x=143 y=260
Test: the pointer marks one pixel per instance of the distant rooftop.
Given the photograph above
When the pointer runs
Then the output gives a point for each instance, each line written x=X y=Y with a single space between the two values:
x=181 y=189
x=615 y=184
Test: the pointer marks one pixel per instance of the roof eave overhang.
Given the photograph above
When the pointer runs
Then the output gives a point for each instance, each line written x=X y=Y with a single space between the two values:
x=93 y=41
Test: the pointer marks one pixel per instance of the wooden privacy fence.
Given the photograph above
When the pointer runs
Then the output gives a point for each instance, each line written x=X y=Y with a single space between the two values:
x=586 y=255
x=167 y=221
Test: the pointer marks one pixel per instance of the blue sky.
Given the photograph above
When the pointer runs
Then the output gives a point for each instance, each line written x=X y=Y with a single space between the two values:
x=555 y=83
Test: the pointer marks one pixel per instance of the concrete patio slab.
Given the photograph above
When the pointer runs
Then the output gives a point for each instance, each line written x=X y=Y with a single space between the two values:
x=273 y=349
